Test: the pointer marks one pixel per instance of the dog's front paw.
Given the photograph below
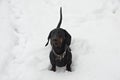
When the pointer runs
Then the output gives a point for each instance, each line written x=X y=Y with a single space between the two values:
x=68 y=69
x=53 y=69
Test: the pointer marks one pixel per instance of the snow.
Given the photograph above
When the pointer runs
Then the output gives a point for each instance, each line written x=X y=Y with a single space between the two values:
x=93 y=24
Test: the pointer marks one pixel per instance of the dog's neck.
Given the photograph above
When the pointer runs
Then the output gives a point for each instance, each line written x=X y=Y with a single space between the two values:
x=60 y=56
x=59 y=51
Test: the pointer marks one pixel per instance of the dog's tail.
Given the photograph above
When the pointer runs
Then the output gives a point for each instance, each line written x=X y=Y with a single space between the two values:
x=59 y=24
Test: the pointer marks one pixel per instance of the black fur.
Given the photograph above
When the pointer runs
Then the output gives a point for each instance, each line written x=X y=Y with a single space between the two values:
x=60 y=40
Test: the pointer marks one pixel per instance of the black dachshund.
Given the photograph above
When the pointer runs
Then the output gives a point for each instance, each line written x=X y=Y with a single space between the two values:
x=60 y=40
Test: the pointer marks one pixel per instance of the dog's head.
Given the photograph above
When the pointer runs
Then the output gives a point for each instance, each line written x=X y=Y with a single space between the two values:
x=59 y=37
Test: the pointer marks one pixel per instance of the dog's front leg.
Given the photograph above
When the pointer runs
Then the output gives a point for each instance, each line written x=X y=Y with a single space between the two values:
x=52 y=60
x=69 y=61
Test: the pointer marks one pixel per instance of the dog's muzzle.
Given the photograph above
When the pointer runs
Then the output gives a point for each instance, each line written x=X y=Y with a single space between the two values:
x=57 y=42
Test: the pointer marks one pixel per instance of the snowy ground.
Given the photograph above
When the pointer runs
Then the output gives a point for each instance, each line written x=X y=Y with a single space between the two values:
x=93 y=24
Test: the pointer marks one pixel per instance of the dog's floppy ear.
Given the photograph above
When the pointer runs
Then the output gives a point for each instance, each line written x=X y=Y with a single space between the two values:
x=48 y=38
x=67 y=38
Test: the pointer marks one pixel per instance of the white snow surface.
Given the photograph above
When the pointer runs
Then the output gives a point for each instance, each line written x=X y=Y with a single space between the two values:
x=93 y=24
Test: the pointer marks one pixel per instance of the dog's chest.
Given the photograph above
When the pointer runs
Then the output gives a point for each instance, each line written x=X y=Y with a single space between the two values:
x=61 y=61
